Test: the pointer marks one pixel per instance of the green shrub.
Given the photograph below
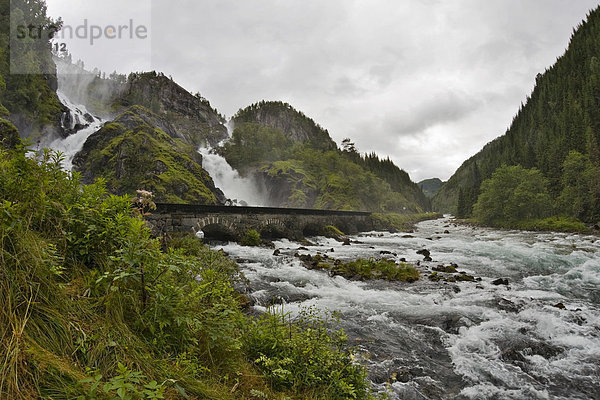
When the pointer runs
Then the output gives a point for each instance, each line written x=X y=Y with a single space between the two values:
x=306 y=355
x=250 y=238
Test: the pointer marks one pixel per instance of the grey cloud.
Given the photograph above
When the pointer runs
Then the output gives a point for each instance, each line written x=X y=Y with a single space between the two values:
x=395 y=76
x=440 y=108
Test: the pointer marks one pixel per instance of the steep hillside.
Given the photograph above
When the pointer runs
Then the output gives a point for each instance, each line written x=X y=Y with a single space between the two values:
x=28 y=100
x=192 y=116
x=430 y=186
x=294 y=124
x=140 y=150
x=561 y=116
x=301 y=166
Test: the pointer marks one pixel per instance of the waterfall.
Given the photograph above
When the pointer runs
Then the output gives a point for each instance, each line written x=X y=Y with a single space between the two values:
x=240 y=190
x=80 y=123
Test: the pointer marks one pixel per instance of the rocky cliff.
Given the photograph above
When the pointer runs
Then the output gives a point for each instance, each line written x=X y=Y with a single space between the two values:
x=294 y=124
x=134 y=152
x=194 y=121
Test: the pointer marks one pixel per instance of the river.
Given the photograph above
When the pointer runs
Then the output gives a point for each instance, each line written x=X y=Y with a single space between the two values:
x=536 y=338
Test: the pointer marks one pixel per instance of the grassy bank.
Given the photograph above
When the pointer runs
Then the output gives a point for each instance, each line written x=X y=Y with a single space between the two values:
x=550 y=224
x=400 y=222
x=93 y=307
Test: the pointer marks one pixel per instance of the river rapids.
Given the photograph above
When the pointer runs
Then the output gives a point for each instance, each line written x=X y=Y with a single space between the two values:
x=536 y=338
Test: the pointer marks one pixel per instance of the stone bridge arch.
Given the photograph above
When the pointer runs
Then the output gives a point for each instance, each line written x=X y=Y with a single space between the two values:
x=273 y=228
x=218 y=226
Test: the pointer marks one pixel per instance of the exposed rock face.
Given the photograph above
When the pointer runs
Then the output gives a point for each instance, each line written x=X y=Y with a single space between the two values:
x=291 y=122
x=192 y=118
x=133 y=152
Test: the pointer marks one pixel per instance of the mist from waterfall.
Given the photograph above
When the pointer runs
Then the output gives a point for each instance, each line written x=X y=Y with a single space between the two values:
x=239 y=190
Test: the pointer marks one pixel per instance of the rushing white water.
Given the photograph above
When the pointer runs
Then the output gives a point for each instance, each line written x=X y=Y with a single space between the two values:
x=471 y=340
x=237 y=188
x=78 y=116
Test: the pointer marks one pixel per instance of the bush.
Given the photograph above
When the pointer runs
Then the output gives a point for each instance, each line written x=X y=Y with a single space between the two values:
x=377 y=269
x=305 y=355
x=250 y=238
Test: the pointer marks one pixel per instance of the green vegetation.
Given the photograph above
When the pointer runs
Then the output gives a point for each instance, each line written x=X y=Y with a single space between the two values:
x=515 y=197
x=9 y=135
x=557 y=131
x=332 y=232
x=363 y=269
x=131 y=154
x=93 y=307
x=32 y=97
x=298 y=355
x=511 y=195
x=308 y=176
x=250 y=238
x=556 y=224
x=400 y=222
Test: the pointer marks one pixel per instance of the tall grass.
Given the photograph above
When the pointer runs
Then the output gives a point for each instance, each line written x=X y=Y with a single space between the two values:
x=93 y=307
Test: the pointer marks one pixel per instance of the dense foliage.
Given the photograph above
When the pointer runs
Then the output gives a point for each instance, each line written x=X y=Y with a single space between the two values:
x=561 y=116
x=511 y=195
x=93 y=307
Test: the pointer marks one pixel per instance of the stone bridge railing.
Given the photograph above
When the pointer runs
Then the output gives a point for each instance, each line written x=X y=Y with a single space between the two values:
x=292 y=223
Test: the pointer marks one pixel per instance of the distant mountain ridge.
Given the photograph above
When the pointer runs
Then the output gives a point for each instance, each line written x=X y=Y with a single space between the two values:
x=430 y=186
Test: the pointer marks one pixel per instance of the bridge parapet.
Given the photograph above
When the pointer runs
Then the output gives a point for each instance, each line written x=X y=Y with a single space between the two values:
x=291 y=223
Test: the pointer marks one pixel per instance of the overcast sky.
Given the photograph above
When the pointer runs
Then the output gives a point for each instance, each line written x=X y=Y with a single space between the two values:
x=425 y=82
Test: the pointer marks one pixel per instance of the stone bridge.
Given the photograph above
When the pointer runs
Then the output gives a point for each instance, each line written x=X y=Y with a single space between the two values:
x=233 y=222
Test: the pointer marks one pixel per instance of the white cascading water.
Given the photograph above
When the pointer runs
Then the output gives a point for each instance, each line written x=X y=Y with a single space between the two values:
x=537 y=338
x=236 y=188
x=77 y=115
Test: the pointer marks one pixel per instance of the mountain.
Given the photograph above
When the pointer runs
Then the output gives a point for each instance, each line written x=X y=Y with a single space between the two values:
x=141 y=150
x=556 y=131
x=430 y=186
x=283 y=117
x=191 y=117
x=301 y=166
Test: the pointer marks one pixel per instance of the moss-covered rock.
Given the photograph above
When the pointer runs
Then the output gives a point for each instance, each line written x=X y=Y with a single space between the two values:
x=130 y=153
x=191 y=117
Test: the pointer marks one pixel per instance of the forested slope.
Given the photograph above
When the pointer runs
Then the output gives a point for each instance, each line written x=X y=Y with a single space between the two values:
x=557 y=131
x=302 y=167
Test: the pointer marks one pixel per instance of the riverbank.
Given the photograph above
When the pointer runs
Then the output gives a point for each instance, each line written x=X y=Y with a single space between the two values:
x=551 y=224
